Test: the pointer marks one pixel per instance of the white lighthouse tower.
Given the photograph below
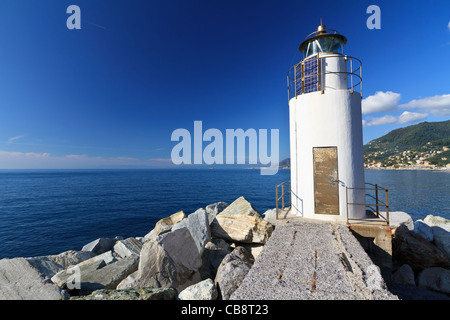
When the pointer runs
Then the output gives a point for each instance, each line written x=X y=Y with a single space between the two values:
x=326 y=130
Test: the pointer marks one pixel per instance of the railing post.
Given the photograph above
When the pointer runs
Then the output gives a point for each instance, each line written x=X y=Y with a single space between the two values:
x=387 y=206
x=303 y=77
x=276 y=197
x=290 y=194
x=295 y=81
x=346 y=200
x=376 y=199
x=360 y=75
x=282 y=196
x=289 y=87
x=319 y=74
x=351 y=74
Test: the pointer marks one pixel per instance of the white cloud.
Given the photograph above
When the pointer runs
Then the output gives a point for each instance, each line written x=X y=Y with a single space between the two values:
x=16 y=155
x=10 y=140
x=76 y=156
x=373 y=121
x=410 y=117
x=161 y=159
x=448 y=26
x=380 y=102
x=438 y=105
x=32 y=160
x=405 y=117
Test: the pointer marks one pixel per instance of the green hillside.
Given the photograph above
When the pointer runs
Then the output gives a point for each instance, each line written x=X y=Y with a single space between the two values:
x=285 y=164
x=425 y=143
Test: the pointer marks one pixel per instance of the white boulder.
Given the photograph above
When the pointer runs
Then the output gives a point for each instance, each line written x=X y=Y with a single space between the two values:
x=127 y=247
x=232 y=272
x=165 y=225
x=19 y=280
x=198 y=225
x=214 y=209
x=204 y=290
x=241 y=222
x=441 y=232
x=437 y=221
x=99 y=246
x=398 y=218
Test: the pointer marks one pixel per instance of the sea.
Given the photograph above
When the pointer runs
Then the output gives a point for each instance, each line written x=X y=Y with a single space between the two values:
x=44 y=212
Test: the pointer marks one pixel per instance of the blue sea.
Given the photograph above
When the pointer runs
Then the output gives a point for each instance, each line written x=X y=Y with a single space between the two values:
x=50 y=211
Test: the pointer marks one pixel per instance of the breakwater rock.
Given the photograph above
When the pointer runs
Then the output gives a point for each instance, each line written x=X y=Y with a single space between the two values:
x=178 y=258
x=421 y=253
x=204 y=255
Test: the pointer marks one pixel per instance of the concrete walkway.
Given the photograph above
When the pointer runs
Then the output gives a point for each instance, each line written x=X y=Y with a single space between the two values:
x=312 y=260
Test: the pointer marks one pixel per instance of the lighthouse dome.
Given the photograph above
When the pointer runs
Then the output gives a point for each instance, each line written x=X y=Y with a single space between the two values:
x=322 y=41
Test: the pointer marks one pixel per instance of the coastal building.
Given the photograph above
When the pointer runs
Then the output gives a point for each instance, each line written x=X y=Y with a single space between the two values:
x=326 y=145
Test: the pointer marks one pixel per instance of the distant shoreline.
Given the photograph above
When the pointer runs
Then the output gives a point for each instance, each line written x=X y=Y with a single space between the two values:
x=412 y=168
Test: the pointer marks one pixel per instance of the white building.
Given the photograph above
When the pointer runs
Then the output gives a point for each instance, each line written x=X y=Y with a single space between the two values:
x=326 y=143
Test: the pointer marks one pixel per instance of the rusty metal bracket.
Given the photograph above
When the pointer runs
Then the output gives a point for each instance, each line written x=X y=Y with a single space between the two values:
x=313 y=282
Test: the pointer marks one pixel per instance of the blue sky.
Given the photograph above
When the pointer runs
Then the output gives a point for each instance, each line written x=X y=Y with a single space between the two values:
x=111 y=94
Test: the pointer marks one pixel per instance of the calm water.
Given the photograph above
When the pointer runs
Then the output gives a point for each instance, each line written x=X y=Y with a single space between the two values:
x=416 y=192
x=48 y=212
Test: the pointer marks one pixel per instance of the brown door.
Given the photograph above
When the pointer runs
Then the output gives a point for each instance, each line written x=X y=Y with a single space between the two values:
x=326 y=180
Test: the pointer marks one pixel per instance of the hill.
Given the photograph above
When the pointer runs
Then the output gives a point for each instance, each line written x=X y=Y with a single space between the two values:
x=426 y=144
x=285 y=164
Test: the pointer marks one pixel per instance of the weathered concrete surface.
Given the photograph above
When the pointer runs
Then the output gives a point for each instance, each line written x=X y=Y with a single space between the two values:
x=312 y=260
x=377 y=240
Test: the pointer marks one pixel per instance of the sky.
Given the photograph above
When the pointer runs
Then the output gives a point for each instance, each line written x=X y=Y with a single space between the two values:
x=110 y=95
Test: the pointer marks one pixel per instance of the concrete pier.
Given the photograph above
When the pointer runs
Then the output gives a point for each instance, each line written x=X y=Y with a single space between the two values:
x=313 y=260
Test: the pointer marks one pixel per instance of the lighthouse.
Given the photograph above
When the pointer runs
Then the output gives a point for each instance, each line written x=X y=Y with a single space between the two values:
x=326 y=146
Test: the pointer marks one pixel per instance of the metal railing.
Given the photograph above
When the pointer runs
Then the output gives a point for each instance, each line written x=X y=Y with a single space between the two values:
x=283 y=193
x=374 y=207
x=296 y=84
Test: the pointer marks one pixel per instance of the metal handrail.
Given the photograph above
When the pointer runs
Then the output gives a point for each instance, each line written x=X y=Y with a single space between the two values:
x=375 y=185
x=281 y=197
x=293 y=81
x=378 y=203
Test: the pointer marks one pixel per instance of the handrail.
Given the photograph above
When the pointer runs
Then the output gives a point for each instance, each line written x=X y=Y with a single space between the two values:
x=375 y=185
x=281 y=197
x=378 y=202
x=296 y=85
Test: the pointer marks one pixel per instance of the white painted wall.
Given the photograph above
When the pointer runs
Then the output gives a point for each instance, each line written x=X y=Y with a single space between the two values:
x=331 y=118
